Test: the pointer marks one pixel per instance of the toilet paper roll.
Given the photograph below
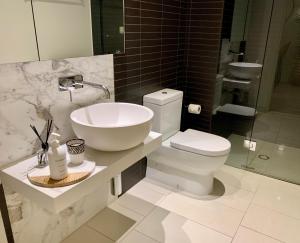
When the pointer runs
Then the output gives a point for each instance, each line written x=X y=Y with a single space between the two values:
x=194 y=109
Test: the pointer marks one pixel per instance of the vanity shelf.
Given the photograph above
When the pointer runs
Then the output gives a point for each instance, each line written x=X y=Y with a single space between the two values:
x=108 y=165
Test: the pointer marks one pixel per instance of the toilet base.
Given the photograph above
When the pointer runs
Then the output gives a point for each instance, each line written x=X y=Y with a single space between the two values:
x=200 y=186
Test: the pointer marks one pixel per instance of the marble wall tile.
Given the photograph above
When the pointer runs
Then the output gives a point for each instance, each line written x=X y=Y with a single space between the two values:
x=37 y=225
x=29 y=95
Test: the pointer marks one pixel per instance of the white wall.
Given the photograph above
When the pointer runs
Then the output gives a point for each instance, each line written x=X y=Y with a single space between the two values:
x=17 y=32
x=63 y=28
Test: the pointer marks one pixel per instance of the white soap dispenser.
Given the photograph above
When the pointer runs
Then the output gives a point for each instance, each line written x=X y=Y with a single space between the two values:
x=57 y=159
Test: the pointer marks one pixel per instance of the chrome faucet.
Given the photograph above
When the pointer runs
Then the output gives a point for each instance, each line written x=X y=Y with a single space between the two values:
x=76 y=82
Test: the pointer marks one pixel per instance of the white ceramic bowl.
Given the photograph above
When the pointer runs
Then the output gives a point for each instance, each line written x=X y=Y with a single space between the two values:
x=244 y=70
x=112 y=126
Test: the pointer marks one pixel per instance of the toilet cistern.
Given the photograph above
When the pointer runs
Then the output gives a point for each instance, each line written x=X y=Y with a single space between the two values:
x=186 y=160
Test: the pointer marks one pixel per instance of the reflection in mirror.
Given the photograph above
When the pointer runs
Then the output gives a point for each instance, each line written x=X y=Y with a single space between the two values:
x=108 y=26
x=64 y=27
x=243 y=48
x=238 y=27
x=18 y=43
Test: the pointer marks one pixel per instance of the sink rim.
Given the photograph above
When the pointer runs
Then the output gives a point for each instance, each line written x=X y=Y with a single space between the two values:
x=147 y=119
x=245 y=65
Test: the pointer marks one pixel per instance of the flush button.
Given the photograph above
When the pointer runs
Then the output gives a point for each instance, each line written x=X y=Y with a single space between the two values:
x=164 y=92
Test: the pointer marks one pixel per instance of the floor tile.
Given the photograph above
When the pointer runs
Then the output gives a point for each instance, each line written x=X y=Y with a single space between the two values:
x=230 y=175
x=273 y=224
x=158 y=186
x=266 y=126
x=289 y=132
x=239 y=178
x=284 y=163
x=148 y=191
x=126 y=212
x=234 y=197
x=279 y=196
x=111 y=223
x=245 y=235
x=168 y=227
x=251 y=181
x=135 y=204
x=143 y=197
x=212 y=214
x=238 y=154
x=84 y=233
x=137 y=237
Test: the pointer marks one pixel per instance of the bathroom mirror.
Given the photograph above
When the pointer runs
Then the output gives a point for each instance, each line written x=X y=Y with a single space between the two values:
x=58 y=29
x=78 y=28
x=18 y=43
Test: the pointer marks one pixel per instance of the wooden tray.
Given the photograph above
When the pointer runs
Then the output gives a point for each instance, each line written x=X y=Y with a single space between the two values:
x=77 y=173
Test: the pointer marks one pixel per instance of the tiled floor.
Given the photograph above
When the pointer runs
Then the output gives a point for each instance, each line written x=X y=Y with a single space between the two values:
x=244 y=208
x=283 y=161
x=277 y=127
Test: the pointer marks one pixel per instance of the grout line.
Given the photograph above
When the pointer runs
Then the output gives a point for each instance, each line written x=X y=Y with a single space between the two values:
x=192 y=220
x=261 y=233
x=251 y=201
x=276 y=211
x=148 y=236
x=98 y=232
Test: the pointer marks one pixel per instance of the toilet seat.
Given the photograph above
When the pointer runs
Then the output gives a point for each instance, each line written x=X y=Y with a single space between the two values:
x=201 y=143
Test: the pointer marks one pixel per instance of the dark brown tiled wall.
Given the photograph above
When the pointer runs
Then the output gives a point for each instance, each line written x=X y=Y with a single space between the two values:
x=203 y=26
x=227 y=18
x=174 y=44
x=150 y=61
x=152 y=45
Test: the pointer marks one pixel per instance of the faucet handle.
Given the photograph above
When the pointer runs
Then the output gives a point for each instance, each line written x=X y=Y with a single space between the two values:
x=65 y=83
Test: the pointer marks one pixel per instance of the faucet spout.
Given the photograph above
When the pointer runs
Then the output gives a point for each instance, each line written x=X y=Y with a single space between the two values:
x=77 y=82
x=99 y=86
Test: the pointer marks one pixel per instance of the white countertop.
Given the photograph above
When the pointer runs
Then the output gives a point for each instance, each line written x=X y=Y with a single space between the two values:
x=108 y=165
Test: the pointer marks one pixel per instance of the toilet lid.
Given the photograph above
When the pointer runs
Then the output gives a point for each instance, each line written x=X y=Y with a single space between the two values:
x=201 y=143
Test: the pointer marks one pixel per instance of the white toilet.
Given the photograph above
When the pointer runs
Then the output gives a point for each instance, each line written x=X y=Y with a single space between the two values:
x=186 y=160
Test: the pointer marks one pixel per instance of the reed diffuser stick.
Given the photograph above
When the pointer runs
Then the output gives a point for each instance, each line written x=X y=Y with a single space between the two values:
x=37 y=134
x=44 y=144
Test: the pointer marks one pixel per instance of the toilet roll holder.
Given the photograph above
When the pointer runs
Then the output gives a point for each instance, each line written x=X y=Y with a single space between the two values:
x=194 y=109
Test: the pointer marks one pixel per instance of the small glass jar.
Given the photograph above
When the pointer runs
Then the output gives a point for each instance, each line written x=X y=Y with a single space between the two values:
x=42 y=156
x=76 y=148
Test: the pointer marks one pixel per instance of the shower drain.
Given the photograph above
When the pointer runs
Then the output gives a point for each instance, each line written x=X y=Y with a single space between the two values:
x=263 y=156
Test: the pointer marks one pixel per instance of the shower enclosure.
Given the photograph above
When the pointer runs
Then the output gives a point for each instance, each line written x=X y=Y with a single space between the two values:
x=260 y=114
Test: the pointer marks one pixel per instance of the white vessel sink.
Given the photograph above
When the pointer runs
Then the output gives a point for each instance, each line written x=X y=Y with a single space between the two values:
x=244 y=70
x=112 y=126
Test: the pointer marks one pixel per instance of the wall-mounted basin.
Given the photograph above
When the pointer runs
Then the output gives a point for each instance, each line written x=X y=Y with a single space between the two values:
x=244 y=70
x=112 y=126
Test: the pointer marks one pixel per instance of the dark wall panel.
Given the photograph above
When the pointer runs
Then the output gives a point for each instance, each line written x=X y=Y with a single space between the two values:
x=201 y=53
x=174 y=44
x=227 y=18
x=150 y=61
